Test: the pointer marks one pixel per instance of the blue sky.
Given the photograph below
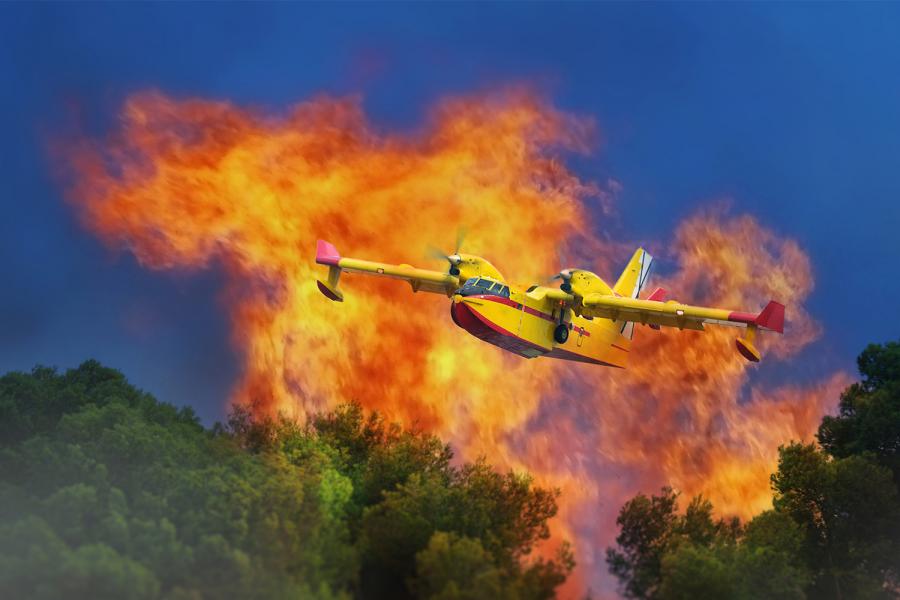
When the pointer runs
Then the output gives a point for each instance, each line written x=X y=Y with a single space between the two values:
x=790 y=110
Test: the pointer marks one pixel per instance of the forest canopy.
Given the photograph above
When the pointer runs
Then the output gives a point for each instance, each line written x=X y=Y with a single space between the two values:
x=833 y=531
x=106 y=492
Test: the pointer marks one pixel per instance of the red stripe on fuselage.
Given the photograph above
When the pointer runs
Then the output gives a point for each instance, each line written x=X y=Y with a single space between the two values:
x=742 y=317
x=530 y=311
x=580 y=330
x=515 y=305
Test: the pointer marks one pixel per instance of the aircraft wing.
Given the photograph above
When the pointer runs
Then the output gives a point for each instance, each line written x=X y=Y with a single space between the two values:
x=421 y=280
x=675 y=314
x=541 y=292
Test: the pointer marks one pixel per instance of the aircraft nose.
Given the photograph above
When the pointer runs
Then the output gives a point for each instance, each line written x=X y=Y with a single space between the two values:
x=454 y=259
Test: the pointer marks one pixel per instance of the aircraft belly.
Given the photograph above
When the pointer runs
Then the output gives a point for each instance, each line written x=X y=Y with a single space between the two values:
x=497 y=323
x=528 y=332
x=597 y=342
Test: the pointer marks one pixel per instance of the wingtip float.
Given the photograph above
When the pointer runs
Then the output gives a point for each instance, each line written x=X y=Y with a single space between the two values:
x=583 y=320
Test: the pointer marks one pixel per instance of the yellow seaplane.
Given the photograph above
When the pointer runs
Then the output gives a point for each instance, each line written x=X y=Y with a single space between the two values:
x=583 y=320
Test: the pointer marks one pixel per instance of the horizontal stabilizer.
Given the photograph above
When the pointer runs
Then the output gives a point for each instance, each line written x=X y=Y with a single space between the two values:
x=658 y=295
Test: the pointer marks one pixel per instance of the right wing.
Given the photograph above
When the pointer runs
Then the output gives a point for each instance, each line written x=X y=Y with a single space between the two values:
x=684 y=316
x=421 y=280
x=675 y=314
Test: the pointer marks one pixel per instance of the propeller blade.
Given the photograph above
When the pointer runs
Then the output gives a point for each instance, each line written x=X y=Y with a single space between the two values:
x=436 y=253
x=461 y=233
x=561 y=256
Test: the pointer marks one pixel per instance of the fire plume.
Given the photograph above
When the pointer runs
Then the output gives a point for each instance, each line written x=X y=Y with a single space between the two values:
x=195 y=183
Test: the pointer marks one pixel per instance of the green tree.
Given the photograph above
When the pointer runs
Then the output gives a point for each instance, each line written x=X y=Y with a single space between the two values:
x=868 y=421
x=849 y=510
x=649 y=527
x=740 y=571
x=646 y=526
x=666 y=555
x=107 y=493
x=834 y=531
x=691 y=571
x=378 y=456
x=457 y=568
x=768 y=561
x=505 y=513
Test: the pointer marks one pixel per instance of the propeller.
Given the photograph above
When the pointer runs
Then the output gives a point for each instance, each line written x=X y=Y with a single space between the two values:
x=565 y=275
x=454 y=259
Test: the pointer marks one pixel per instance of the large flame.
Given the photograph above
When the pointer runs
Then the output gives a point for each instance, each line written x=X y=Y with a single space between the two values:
x=188 y=183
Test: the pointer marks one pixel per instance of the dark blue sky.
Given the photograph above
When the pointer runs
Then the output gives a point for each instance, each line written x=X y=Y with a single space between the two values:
x=793 y=111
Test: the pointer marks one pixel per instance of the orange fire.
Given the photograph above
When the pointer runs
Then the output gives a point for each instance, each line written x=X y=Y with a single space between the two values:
x=194 y=183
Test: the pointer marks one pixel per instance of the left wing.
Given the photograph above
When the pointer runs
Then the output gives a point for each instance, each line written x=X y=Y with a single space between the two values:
x=685 y=316
x=421 y=280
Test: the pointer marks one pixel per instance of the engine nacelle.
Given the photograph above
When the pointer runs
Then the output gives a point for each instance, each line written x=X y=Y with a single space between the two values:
x=468 y=266
x=581 y=283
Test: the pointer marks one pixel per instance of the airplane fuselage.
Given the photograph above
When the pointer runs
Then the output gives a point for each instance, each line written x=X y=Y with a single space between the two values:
x=525 y=324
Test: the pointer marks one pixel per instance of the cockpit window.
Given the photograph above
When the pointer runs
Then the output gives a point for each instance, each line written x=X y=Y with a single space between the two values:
x=479 y=285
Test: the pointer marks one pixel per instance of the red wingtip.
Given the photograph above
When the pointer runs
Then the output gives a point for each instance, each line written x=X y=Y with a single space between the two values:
x=658 y=295
x=772 y=317
x=326 y=254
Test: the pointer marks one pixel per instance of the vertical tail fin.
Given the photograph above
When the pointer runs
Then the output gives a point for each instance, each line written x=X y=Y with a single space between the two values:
x=772 y=317
x=635 y=275
x=632 y=281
